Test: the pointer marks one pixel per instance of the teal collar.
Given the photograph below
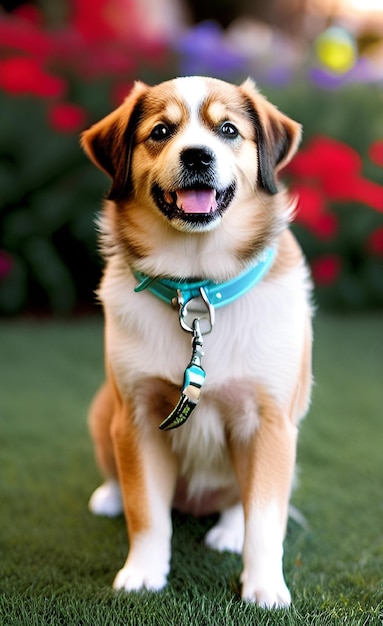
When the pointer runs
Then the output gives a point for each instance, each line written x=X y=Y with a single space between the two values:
x=218 y=294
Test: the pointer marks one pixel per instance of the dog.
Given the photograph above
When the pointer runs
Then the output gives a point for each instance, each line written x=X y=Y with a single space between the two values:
x=207 y=303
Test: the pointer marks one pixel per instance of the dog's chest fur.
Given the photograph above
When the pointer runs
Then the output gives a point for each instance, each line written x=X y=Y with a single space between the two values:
x=256 y=343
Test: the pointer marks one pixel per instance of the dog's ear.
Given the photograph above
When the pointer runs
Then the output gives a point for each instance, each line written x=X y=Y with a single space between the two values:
x=277 y=136
x=109 y=142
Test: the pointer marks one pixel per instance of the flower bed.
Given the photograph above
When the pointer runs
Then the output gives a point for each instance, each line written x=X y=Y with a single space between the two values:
x=56 y=81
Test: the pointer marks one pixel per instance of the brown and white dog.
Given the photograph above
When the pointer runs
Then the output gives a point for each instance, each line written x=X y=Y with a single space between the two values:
x=195 y=196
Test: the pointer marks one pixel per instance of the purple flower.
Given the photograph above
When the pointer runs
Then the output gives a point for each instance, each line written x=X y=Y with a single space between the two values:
x=325 y=78
x=362 y=72
x=203 y=50
x=279 y=76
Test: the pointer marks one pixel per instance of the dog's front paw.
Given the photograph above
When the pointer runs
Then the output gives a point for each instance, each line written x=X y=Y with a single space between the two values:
x=147 y=565
x=272 y=594
x=133 y=578
x=106 y=500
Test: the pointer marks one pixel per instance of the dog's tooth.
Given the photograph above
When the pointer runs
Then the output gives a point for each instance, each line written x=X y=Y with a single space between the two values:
x=178 y=202
x=212 y=209
x=168 y=198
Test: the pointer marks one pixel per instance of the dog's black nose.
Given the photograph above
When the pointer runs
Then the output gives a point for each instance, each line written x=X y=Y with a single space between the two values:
x=196 y=158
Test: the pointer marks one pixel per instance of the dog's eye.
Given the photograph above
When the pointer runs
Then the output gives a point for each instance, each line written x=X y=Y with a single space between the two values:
x=160 y=132
x=228 y=130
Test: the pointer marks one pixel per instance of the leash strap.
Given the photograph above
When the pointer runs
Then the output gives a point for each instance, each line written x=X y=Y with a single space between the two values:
x=194 y=378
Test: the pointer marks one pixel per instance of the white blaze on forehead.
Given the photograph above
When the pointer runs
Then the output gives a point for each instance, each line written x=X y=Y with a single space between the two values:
x=193 y=91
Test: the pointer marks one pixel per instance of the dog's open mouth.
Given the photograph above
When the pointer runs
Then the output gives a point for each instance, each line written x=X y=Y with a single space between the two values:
x=198 y=206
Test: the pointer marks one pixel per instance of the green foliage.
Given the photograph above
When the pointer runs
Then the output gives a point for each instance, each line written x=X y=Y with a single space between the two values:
x=60 y=71
x=49 y=198
x=51 y=195
x=352 y=116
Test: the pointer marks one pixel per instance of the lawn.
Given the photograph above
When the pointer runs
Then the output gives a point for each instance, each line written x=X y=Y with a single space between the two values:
x=57 y=561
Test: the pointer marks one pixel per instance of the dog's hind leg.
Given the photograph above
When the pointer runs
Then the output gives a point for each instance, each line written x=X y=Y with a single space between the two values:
x=106 y=499
x=228 y=534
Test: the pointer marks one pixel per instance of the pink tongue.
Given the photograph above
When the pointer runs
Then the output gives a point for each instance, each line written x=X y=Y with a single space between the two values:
x=197 y=201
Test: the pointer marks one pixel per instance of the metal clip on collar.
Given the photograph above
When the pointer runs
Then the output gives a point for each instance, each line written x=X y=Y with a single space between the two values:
x=194 y=378
x=197 y=307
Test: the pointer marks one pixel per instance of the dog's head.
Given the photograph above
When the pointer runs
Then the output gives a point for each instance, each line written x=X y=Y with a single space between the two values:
x=191 y=148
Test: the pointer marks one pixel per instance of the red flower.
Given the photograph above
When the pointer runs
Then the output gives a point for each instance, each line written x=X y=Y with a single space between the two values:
x=90 y=18
x=326 y=269
x=119 y=93
x=312 y=212
x=375 y=242
x=109 y=36
x=67 y=117
x=29 y=13
x=376 y=152
x=6 y=263
x=18 y=33
x=335 y=168
x=100 y=20
x=23 y=75
x=327 y=226
x=102 y=37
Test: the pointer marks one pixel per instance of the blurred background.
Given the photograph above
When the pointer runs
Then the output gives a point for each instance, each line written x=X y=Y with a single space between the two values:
x=66 y=63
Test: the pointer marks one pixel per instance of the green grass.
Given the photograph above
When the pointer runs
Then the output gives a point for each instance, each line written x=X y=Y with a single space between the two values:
x=57 y=561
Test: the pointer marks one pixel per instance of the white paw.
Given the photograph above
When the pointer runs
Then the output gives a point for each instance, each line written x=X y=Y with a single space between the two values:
x=270 y=594
x=133 y=578
x=228 y=533
x=148 y=562
x=106 y=500
x=223 y=539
